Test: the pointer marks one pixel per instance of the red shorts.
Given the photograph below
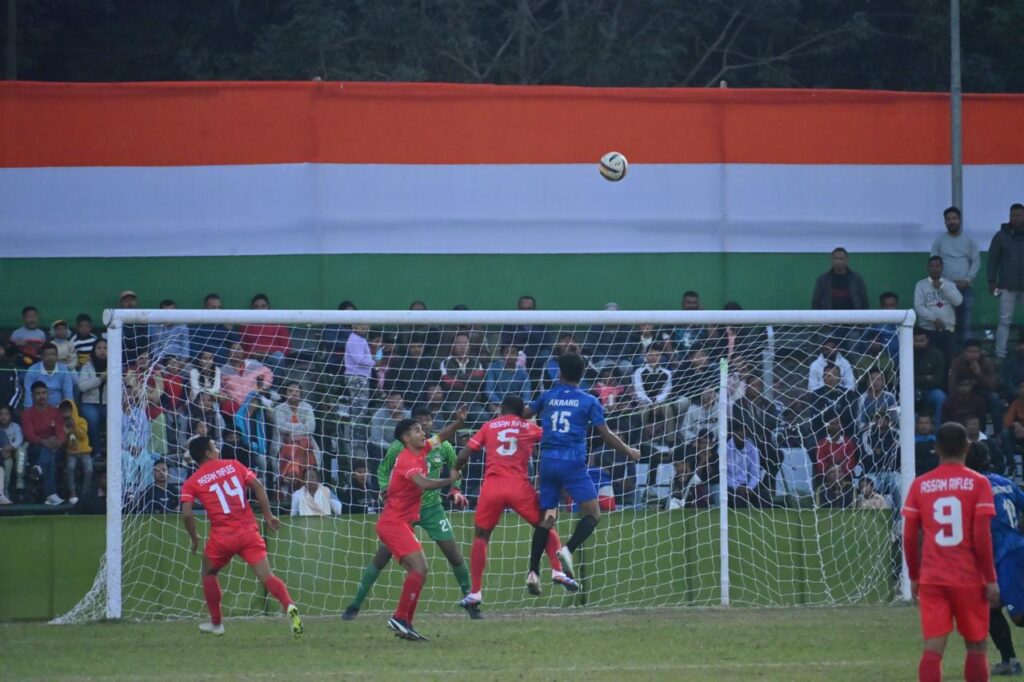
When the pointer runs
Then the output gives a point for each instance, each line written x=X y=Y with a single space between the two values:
x=499 y=494
x=398 y=537
x=249 y=545
x=940 y=604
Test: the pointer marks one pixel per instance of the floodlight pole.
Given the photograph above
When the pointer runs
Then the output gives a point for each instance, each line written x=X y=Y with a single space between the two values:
x=955 y=106
x=11 y=51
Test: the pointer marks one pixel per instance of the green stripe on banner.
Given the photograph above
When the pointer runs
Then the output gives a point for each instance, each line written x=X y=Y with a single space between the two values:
x=64 y=287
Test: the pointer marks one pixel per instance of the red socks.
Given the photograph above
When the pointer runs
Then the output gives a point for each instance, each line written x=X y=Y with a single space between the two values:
x=477 y=562
x=976 y=667
x=411 y=589
x=211 y=591
x=552 y=547
x=277 y=588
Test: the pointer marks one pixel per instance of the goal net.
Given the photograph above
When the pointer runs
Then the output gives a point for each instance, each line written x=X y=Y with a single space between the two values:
x=775 y=448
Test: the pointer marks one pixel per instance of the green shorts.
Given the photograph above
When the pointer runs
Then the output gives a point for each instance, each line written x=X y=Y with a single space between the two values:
x=433 y=520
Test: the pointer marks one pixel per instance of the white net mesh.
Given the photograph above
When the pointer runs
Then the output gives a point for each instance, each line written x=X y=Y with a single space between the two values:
x=813 y=458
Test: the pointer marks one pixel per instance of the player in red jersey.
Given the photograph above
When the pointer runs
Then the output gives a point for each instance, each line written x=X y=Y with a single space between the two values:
x=402 y=509
x=220 y=485
x=955 y=577
x=509 y=440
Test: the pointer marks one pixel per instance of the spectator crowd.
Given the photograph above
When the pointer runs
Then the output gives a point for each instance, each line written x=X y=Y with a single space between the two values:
x=313 y=409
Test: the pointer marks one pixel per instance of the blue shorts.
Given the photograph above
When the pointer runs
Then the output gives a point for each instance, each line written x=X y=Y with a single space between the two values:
x=1010 y=574
x=570 y=475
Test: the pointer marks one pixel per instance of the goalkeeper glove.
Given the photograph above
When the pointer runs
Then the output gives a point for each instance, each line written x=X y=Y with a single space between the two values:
x=458 y=500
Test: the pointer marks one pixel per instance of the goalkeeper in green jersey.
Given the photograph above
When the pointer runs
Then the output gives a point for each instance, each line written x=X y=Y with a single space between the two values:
x=432 y=516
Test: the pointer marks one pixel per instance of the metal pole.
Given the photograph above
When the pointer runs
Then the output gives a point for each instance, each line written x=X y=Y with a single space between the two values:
x=114 y=482
x=956 y=114
x=11 y=52
x=905 y=336
x=723 y=477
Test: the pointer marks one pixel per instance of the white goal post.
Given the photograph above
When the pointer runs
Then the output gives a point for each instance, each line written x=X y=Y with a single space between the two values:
x=786 y=341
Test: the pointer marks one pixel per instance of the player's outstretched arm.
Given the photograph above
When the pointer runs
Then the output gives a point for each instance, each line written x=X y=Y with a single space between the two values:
x=464 y=457
x=190 y=523
x=616 y=443
x=453 y=428
x=264 y=501
x=425 y=483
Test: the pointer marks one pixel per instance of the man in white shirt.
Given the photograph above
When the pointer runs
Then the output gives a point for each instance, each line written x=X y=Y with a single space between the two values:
x=830 y=354
x=935 y=301
x=314 y=498
x=961 y=261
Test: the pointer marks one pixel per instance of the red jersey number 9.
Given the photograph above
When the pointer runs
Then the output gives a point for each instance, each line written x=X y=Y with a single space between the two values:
x=948 y=512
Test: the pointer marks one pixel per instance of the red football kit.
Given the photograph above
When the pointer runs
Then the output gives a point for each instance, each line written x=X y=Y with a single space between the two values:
x=220 y=485
x=952 y=506
x=402 y=505
x=509 y=442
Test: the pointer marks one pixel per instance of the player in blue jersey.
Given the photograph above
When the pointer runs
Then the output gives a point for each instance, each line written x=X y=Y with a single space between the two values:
x=1008 y=552
x=566 y=414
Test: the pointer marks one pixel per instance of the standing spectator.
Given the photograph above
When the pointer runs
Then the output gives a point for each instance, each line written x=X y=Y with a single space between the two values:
x=160 y=497
x=830 y=355
x=531 y=339
x=761 y=418
x=840 y=288
x=743 y=471
x=1006 y=272
x=169 y=340
x=29 y=338
x=11 y=440
x=44 y=433
x=652 y=385
x=83 y=339
x=65 y=349
x=963 y=403
x=383 y=424
x=411 y=372
x=874 y=399
x=240 y=377
x=295 y=421
x=215 y=338
x=133 y=336
x=313 y=498
x=689 y=336
x=925 y=457
x=506 y=377
x=359 y=364
x=935 y=301
x=972 y=363
x=930 y=375
x=77 y=449
x=461 y=373
x=92 y=382
x=10 y=383
x=357 y=497
x=266 y=343
x=56 y=377
x=204 y=376
x=961 y=262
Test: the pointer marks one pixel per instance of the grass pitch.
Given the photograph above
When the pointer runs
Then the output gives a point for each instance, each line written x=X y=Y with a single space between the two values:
x=855 y=643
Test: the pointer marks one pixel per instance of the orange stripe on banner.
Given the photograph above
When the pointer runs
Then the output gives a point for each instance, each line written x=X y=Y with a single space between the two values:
x=168 y=124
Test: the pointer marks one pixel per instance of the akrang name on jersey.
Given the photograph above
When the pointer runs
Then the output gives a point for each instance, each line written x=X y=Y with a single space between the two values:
x=214 y=475
x=939 y=485
x=563 y=402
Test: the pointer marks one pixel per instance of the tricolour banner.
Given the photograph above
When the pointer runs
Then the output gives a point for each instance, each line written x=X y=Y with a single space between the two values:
x=183 y=169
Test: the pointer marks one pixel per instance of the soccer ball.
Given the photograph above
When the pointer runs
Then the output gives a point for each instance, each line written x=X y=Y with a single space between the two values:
x=613 y=166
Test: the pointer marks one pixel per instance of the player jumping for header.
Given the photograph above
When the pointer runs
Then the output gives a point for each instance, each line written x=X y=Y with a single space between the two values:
x=220 y=485
x=565 y=413
x=508 y=440
x=953 y=576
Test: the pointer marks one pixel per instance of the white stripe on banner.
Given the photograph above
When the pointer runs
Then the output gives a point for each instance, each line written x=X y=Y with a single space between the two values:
x=331 y=208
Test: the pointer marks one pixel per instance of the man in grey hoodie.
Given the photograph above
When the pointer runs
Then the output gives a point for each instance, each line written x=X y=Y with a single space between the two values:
x=1006 y=272
x=961 y=261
